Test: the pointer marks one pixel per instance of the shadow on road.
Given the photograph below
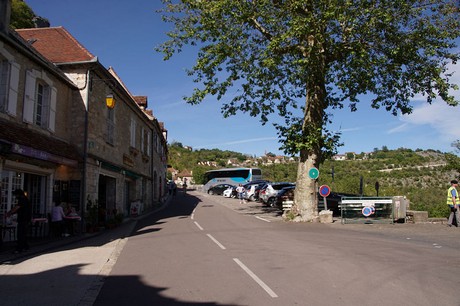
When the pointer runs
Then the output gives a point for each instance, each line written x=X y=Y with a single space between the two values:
x=70 y=283
x=145 y=295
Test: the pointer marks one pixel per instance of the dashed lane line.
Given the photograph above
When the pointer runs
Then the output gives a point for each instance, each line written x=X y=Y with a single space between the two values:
x=256 y=278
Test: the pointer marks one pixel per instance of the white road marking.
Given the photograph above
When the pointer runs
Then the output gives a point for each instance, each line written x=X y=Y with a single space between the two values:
x=256 y=279
x=193 y=213
x=260 y=218
x=196 y=223
x=216 y=242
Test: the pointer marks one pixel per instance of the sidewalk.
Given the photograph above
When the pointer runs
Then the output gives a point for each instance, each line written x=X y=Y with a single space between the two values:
x=40 y=245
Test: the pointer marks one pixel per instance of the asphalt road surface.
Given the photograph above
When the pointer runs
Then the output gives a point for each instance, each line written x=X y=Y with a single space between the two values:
x=208 y=250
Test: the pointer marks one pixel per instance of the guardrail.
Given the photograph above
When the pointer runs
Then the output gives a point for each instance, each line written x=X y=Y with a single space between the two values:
x=367 y=210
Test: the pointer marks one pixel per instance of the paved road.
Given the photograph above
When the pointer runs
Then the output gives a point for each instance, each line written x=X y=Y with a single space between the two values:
x=206 y=250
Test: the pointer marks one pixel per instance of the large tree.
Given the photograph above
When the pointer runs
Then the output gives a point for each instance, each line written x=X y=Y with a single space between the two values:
x=299 y=59
x=21 y=15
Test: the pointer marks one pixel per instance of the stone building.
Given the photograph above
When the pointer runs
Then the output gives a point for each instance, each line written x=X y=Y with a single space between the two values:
x=36 y=148
x=72 y=129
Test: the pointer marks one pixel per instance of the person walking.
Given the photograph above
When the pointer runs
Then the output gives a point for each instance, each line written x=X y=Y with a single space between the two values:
x=57 y=220
x=453 y=202
x=184 y=185
x=24 y=212
x=240 y=190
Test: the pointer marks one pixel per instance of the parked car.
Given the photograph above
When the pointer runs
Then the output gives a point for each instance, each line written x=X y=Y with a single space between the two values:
x=285 y=194
x=251 y=189
x=271 y=190
x=230 y=192
x=257 y=191
x=219 y=189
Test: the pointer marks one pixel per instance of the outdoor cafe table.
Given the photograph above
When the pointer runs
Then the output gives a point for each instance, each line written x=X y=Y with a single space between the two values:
x=38 y=227
x=73 y=222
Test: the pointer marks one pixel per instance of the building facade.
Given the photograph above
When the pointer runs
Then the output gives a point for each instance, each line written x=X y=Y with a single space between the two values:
x=71 y=132
x=36 y=152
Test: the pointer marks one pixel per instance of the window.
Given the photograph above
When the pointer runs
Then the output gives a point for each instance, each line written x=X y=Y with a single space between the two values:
x=132 y=142
x=9 y=81
x=39 y=100
x=10 y=180
x=41 y=106
x=145 y=142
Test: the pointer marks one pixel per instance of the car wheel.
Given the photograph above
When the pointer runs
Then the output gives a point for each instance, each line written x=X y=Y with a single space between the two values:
x=271 y=202
x=211 y=192
x=251 y=198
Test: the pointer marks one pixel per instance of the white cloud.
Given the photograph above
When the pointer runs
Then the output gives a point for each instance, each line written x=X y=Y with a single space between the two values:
x=443 y=118
x=399 y=128
x=350 y=129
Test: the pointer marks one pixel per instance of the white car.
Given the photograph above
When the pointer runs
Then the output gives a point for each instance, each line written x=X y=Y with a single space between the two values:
x=228 y=193
x=249 y=194
x=272 y=190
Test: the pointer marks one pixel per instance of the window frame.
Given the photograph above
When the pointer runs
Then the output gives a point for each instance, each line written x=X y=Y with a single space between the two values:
x=40 y=108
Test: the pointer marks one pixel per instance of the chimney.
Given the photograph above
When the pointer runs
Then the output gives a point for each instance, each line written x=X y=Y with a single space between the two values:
x=5 y=12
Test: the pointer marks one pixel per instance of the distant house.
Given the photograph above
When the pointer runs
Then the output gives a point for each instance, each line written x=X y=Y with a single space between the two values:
x=208 y=163
x=339 y=157
x=184 y=176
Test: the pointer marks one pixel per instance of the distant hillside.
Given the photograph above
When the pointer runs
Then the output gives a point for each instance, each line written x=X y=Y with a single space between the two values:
x=422 y=176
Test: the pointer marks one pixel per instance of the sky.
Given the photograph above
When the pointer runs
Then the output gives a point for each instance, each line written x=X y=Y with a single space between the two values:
x=123 y=35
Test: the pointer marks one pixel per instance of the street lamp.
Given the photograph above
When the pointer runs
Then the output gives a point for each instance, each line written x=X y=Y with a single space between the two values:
x=110 y=101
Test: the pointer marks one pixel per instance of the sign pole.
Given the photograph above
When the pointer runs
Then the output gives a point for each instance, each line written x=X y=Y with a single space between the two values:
x=324 y=191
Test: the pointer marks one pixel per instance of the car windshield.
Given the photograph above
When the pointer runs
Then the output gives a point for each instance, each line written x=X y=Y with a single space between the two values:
x=281 y=186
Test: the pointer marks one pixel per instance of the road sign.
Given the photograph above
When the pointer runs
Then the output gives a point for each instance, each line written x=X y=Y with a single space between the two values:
x=324 y=190
x=313 y=173
x=368 y=210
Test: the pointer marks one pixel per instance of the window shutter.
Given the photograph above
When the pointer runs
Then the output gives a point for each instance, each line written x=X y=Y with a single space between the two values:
x=45 y=118
x=4 y=72
x=142 y=140
x=29 y=97
x=133 y=133
x=52 y=109
x=13 y=90
x=148 y=144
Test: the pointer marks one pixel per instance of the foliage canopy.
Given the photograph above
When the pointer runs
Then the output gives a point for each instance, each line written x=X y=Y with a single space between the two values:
x=21 y=15
x=299 y=59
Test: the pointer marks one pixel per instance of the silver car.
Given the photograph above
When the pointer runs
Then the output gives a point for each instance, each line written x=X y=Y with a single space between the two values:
x=269 y=193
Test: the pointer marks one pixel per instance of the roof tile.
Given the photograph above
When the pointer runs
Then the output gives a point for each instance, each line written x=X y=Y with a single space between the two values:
x=56 y=44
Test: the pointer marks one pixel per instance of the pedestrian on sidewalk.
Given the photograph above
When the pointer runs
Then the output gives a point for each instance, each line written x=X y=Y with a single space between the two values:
x=24 y=217
x=452 y=201
x=57 y=220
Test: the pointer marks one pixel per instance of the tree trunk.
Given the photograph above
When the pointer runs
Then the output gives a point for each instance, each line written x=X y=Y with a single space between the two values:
x=306 y=197
x=306 y=193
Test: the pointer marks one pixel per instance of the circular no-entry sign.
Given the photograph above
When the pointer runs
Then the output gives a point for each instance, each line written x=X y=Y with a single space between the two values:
x=367 y=211
x=324 y=190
